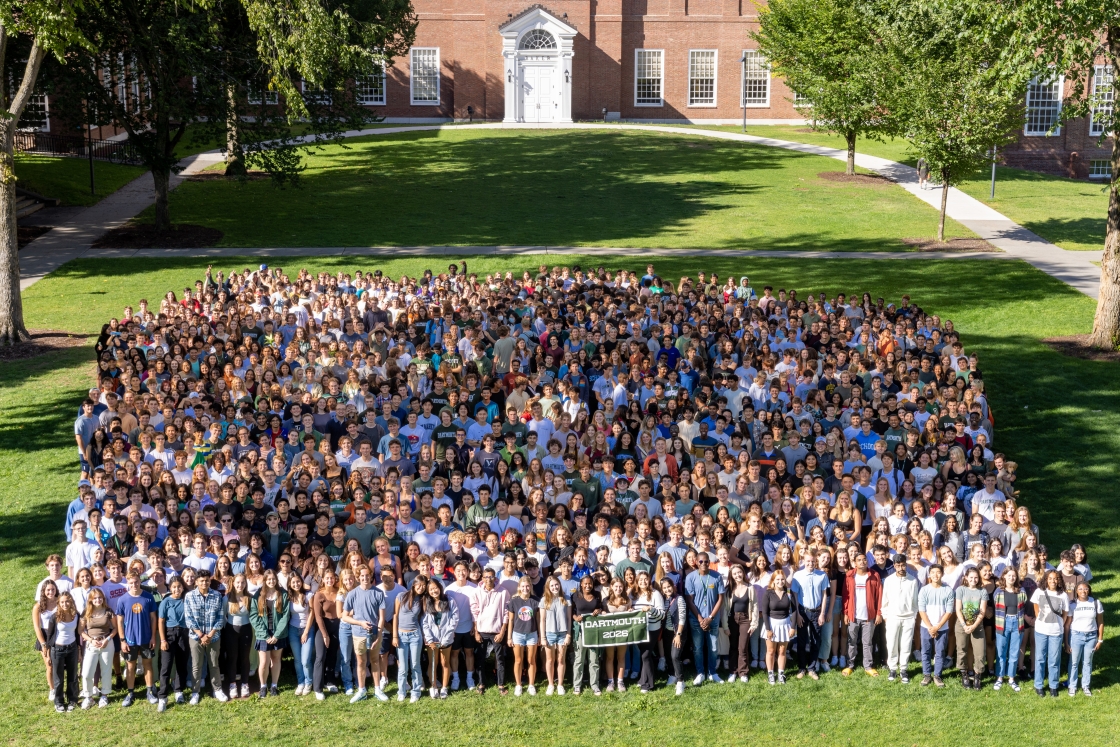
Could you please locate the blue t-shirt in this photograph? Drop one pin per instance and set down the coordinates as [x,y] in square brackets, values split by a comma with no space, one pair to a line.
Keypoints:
[364,604]
[705,590]
[810,588]
[135,613]
[171,611]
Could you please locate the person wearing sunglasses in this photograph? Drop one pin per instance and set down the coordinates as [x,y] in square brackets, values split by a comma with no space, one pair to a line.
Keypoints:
[704,595]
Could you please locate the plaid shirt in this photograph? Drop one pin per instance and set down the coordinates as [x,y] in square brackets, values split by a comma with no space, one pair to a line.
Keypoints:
[203,612]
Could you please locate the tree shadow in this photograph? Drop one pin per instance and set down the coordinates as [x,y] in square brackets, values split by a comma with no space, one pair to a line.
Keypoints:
[1080,230]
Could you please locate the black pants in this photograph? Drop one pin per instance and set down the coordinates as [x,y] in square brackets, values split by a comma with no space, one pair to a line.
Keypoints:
[497,649]
[175,661]
[739,633]
[64,663]
[648,650]
[325,655]
[675,651]
[237,641]
[808,637]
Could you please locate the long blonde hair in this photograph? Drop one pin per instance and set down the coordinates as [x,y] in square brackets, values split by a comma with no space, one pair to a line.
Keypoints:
[238,603]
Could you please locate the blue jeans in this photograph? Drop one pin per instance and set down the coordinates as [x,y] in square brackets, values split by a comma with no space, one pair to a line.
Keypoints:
[1007,648]
[346,656]
[1081,652]
[933,652]
[302,653]
[704,641]
[633,659]
[1047,658]
[408,660]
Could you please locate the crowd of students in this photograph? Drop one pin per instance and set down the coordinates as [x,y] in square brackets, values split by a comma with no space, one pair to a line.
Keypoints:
[448,476]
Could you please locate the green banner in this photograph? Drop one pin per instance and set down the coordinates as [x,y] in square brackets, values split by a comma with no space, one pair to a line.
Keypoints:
[615,629]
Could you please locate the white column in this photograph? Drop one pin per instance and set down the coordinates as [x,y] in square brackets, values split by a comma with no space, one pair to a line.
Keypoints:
[565,86]
[510,78]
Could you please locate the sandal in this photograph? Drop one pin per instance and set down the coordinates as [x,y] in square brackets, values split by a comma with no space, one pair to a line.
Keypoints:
[503,690]
[480,688]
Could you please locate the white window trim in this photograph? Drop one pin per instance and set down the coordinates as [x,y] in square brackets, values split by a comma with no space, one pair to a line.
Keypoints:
[661,52]
[715,80]
[1095,128]
[743,84]
[384,89]
[262,97]
[1106,175]
[1061,81]
[412,77]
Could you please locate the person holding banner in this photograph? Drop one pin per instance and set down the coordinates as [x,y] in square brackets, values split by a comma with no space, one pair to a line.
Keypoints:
[523,621]
[586,603]
[556,633]
[704,593]
[647,597]
[617,601]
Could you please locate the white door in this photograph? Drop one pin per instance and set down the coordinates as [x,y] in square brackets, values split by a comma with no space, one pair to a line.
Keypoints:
[536,98]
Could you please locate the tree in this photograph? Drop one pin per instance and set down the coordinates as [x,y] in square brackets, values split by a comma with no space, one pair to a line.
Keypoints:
[952,99]
[826,51]
[49,25]
[1071,38]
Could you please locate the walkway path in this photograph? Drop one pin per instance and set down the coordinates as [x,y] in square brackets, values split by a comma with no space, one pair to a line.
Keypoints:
[73,239]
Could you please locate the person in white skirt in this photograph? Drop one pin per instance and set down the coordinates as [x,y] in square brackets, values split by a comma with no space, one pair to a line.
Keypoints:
[778,612]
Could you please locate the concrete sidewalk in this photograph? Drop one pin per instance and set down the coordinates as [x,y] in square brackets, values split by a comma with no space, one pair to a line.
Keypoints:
[74,238]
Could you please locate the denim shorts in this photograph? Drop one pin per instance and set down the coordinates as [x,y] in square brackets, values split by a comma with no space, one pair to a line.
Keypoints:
[554,639]
[524,639]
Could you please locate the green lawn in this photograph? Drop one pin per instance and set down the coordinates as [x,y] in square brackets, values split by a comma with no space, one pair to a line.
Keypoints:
[628,189]
[1071,213]
[1068,212]
[1059,418]
[68,178]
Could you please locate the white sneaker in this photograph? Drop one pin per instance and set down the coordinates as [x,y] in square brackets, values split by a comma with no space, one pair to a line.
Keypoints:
[380,695]
[194,698]
[334,688]
[179,699]
[672,680]
[349,691]
[220,696]
[560,690]
[299,690]
[699,680]
[402,696]
[415,698]
[517,691]
[434,692]
[359,696]
[244,691]
[532,690]
[731,678]
[716,679]
[86,703]
[680,688]
[455,681]
[383,682]
[550,690]
[103,702]
[320,696]
[160,707]
[470,680]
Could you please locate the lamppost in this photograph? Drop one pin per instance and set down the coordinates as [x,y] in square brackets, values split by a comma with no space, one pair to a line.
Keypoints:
[743,92]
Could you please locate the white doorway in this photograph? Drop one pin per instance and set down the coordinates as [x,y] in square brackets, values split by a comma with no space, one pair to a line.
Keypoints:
[538,99]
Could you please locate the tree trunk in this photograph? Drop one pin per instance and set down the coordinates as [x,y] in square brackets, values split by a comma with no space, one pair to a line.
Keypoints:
[162,178]
[235,154]
[12,328]
[944,204]
[1106,323]
[851,168]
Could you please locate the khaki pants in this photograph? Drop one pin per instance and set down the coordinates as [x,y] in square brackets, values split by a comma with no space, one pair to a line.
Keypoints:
[199,653]
[900,641]
[973,641]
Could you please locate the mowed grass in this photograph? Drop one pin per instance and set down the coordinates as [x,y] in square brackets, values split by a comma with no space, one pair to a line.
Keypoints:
[68,178]
[588,188]
[1059,418]
[1071,213]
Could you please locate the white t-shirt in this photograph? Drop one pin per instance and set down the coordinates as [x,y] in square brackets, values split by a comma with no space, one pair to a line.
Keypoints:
[463,596]
[78,554]
[1052,608]
[63,583]
[1085,615]
[861,596]
[431,543]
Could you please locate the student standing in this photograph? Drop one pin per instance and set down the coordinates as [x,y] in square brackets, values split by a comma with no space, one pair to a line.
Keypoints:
[810,587]
[586,602]
[900,610]
[441,617]
[62,639]
[522,620]
[1010,611]
[98,626]
[935,606]
[136,629]
[556,632]
[364,611]
[1051,607]
[972,606]
[202,607]
[1086,632]
[704,594]
[269,615]
[863,596]
[174,644]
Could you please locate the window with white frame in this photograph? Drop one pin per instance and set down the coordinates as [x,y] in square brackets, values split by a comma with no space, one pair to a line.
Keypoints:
[1044,106]
[314,94]
[702,77]
[371,88]
[649,77]
[1104,96]
[425,75]
[35,114]
[257,94]
[801,101]
[756,80]
[1100,169]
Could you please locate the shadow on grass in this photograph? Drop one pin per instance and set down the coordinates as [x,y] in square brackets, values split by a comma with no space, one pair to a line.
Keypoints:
[1080,230]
